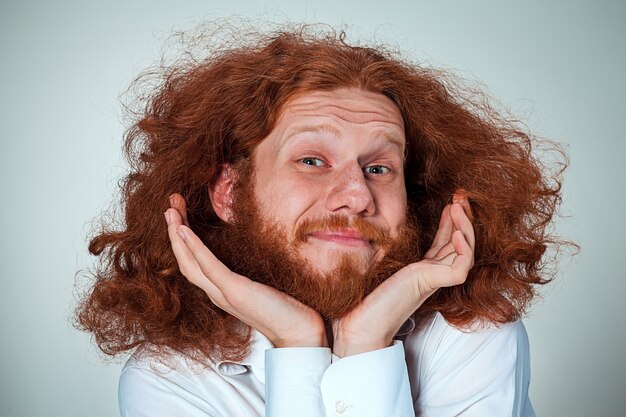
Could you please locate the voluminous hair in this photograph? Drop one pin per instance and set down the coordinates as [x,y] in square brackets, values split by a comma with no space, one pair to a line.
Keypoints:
[202,113]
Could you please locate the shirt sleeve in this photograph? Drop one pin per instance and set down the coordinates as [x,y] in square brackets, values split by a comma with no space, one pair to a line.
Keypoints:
[292,381]
[370,384]
[471,374]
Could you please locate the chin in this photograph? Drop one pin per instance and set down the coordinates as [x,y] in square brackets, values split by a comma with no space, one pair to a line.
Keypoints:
[332,264]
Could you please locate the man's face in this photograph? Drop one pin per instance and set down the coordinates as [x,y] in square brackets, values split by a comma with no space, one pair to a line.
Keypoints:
[339,156]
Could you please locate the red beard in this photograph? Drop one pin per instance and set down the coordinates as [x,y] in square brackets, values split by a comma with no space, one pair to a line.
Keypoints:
[259,249]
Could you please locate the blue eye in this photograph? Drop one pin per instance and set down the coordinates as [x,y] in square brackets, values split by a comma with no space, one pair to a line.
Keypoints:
[376,170]
[315,162]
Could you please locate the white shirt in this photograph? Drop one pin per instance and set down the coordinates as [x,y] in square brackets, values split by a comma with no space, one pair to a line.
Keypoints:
[438,371]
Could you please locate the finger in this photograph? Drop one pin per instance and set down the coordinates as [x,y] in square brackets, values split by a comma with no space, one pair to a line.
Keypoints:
[178,202]
[187,263]
[465,255]
[218,273]
[463,223]
[444,232]
[460,196]
[229,291]
[445,251]
[448,259]
[457,264]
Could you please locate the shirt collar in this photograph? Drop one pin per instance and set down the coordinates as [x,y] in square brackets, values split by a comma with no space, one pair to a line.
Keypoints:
[255,360]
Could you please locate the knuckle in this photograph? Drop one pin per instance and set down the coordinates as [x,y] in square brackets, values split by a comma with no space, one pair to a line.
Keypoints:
[233,296]
[220,301]
[205,272]
[184,270]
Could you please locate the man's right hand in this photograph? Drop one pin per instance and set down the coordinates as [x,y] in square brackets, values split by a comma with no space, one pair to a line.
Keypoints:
[282,319]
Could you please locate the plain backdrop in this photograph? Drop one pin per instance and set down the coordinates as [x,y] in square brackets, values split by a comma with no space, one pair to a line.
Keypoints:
[558,64]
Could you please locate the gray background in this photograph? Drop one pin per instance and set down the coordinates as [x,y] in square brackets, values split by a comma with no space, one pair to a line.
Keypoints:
[558,64]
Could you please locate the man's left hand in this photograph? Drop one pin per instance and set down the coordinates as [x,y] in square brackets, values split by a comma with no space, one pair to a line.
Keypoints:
[373,323]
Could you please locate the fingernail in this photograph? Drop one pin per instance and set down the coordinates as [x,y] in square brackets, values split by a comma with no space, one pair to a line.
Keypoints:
[180,233]
[168,218]
[171,200]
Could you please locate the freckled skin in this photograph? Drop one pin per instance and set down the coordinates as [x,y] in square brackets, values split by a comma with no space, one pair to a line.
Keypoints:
[334,152]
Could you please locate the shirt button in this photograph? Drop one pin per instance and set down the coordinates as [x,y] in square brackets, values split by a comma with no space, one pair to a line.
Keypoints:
[341,407]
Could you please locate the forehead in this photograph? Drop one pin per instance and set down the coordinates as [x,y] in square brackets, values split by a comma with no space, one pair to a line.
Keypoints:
[342,108]
[349,104]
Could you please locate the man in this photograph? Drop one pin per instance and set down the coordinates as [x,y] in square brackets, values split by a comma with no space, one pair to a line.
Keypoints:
[346,235]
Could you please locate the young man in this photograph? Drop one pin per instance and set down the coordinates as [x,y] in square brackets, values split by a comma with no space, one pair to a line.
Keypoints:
[344,234]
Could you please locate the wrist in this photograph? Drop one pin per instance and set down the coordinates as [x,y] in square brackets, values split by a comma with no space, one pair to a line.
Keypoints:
[343,347]
[310,339]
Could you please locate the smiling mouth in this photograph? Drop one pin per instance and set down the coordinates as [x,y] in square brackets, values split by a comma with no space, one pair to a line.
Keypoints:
[348,238]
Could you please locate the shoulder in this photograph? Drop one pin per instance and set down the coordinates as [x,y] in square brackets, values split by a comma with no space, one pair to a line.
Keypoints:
[437,340]
[484,366]
[164,385]
[174,385]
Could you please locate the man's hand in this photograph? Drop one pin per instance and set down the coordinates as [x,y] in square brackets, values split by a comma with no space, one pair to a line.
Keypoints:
[373,323]
[283,320]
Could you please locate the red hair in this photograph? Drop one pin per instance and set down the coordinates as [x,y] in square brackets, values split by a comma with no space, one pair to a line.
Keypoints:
[205,113]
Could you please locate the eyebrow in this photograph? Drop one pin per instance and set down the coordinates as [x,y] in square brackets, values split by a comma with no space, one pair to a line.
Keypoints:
[326,128]
[323,128]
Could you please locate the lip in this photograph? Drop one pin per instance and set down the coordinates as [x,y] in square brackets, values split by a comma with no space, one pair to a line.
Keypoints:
[344,237]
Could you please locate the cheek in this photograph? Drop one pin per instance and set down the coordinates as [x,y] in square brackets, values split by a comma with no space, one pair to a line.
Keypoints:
[287,201]
[392,206]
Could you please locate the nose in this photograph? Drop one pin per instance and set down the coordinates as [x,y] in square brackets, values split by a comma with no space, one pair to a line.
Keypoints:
[350,192]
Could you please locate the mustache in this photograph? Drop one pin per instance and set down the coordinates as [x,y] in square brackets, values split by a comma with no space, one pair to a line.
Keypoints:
[337,222]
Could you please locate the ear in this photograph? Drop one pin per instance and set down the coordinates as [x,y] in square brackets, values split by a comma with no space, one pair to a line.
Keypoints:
[221,193]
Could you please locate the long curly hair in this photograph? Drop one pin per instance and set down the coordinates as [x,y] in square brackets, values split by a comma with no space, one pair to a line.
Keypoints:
[201,113]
